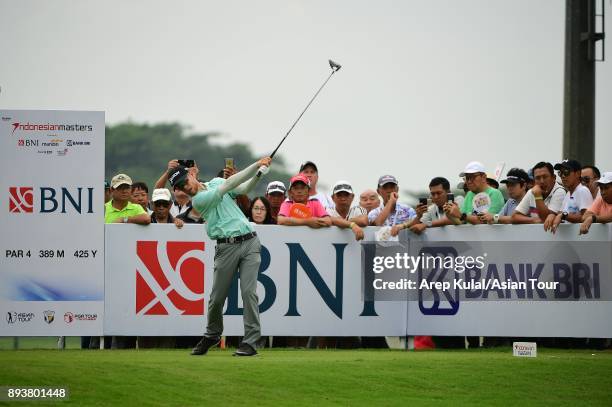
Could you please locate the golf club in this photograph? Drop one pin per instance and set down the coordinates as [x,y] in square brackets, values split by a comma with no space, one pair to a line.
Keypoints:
[335,67]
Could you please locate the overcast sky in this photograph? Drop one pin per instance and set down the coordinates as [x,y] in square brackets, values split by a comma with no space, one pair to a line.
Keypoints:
[425,87]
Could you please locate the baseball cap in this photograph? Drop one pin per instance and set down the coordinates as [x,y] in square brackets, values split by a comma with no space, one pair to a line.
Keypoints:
[387,179]
[120,179]
[176,175]
[492,181]
[473,167]
[571,165]
[276,186]
[516,176]
[605,178]
[299,178]
[308,164]
[161,194]
[342,186]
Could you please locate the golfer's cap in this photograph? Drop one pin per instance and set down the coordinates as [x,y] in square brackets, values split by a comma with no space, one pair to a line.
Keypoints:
[605,178]
[473,167]
[387,179]
[516,176]
[120,179]
[176,175]
[308,164]
[161,194]
[571,165]
[342,186]
[299,178]
[276,186]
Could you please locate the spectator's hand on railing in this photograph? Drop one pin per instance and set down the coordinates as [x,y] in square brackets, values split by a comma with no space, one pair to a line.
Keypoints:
[358,231]
[549,222]
[395,229]
[418,228]
[178,223]
[485,217]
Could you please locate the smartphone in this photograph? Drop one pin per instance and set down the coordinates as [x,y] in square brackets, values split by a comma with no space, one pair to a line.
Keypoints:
[422,201]
[450,197]
[186,163]
[229,163]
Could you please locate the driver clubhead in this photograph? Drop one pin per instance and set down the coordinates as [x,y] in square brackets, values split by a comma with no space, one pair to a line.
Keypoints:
[334,66]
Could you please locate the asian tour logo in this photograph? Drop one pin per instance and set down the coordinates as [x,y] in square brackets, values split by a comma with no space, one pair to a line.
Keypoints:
[21,199]
[170,278]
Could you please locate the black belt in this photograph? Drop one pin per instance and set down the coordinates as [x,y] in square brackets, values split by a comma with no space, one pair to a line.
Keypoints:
[237,239]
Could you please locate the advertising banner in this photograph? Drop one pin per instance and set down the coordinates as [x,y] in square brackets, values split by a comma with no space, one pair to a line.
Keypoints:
[52,214]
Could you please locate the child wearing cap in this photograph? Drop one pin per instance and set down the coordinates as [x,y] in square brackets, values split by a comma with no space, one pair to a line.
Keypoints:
[299,210]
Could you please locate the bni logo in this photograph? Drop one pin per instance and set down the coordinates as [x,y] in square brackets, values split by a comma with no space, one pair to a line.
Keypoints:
[170,278]
[21,199]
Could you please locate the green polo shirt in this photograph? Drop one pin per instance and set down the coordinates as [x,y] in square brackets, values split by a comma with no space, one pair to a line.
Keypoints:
[491,201]
[111,213]
[223,216]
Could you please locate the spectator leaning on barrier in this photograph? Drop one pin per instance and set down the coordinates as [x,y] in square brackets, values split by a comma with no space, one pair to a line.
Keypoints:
[162,198]
[343,214]
[311,171]
[260,212]
[191,215]
[300,209]
[369,200]
[516,183]
[391,212]
[140,196]
[480,199]
[545,198]
[589,177]
[434,215]
[601,210]
[119,209]
[577,199]
[276,192]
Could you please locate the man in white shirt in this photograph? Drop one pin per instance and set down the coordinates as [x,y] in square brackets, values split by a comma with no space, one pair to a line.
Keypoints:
[312,173]
[344,215]
[543,199]
[577,200]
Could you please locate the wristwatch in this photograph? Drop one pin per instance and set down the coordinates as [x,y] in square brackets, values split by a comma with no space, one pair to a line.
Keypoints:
[463,217]
[496,218]
[564,215]
[125,219]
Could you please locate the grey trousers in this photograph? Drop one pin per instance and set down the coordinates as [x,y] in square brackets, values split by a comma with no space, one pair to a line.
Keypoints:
[244,257]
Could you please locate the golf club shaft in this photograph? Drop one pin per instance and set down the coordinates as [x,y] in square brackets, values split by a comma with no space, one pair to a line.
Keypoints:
[260,172]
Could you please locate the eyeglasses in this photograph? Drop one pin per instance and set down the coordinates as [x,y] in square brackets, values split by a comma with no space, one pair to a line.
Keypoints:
[472,177]
[564,173]
[585,180]
[259,208]
[164,204]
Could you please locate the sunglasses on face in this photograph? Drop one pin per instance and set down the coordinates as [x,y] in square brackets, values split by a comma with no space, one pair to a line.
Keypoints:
[564,173]
[164,204]
[585,180]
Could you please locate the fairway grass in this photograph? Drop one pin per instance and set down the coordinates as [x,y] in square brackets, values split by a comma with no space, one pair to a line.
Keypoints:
[302,377]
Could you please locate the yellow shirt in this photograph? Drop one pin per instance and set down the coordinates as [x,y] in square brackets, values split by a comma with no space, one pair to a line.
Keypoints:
[111,213]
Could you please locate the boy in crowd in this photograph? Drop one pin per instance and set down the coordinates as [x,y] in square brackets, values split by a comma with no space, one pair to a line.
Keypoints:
[300,209]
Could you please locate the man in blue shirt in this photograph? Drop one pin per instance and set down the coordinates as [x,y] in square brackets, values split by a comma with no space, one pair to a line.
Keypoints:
[238,248]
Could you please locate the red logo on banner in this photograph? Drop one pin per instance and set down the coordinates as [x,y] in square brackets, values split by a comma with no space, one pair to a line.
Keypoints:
[170,278]
[20,143]
[21,199]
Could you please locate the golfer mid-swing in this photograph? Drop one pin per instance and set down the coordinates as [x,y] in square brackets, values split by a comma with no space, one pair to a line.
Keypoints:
[238,248]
